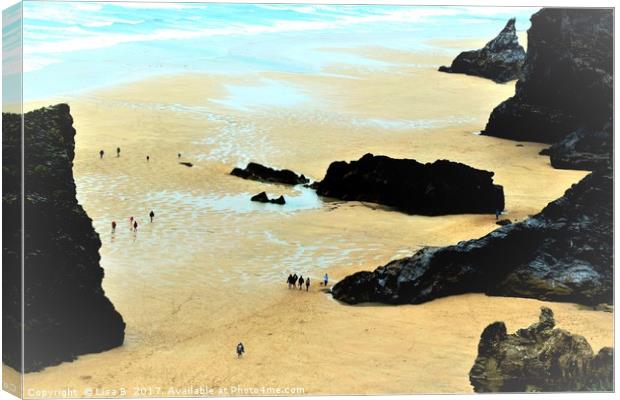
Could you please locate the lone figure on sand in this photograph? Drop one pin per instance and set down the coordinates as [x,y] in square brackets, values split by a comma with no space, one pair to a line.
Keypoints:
[240,350]
[118,152]
[179,155]
[325,279]
[307,284]
[301,282]
[497,214]
[100,153]
[135,226]
[148,158]
[152,215]
[113,226]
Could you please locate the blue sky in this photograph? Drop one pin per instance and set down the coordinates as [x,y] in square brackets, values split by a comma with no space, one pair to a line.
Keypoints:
[71,46]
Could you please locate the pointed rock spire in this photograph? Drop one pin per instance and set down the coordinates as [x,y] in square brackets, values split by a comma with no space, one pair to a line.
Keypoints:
[501,59]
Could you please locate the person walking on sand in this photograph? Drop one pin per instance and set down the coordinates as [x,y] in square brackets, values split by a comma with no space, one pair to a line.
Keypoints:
[135,226]
[179,155]
[113,226]
[325,279]
[152,215]
[307,284]
[497,214]
[294,281]
[148,158]
[240,350]
[100,154]
[118,152]
[289,280]
[301,282]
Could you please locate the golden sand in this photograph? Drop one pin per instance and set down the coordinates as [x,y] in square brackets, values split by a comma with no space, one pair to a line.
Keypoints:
[210,270]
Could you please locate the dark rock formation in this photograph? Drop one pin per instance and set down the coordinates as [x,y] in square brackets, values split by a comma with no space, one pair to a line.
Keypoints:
[66,310]
[442,187]
[564,253]
[565,95]
[500,60]
[584,148]
[262,198]
[539,359]
[504,222]
[261,173]
[187,164]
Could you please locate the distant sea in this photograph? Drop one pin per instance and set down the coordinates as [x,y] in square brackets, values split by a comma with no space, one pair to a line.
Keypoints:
[71,47]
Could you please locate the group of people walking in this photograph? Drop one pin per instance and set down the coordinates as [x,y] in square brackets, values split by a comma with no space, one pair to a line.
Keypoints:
[293,281]
[118,154]
[133,223]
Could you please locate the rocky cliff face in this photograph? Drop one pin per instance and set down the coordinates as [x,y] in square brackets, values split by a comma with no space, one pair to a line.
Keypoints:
[564,253]
[565,94]
[539,359]
[66,310]
[442,187]
[500,60]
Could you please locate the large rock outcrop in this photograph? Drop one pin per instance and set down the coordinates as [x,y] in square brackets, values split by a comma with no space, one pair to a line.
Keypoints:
[258,172]
[441,187]
[66,312]
[539,359]
[500,60]
[566,92]
[564,253]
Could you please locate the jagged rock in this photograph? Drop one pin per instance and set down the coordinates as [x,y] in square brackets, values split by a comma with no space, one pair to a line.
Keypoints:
[566,88]
[604,307]
[500,60]
[261,173]
[583,149]
[187,164]
[66,311]
[564,253]
[539,359]
[442,187]
[503,222]
[262,198]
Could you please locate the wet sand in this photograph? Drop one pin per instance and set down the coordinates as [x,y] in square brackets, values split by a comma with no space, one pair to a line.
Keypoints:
[210,270]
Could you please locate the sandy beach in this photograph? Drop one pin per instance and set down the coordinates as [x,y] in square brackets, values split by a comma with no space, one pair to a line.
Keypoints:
[210,270]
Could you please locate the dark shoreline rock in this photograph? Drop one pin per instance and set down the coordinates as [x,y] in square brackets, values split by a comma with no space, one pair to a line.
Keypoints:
[66,311]
[564,253]
[262,198]
[187,164]
[500,59]
[539,359]
[565,95]
[258,172]
[441,187]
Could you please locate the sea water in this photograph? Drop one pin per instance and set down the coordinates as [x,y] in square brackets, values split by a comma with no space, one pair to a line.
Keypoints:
[71,47]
